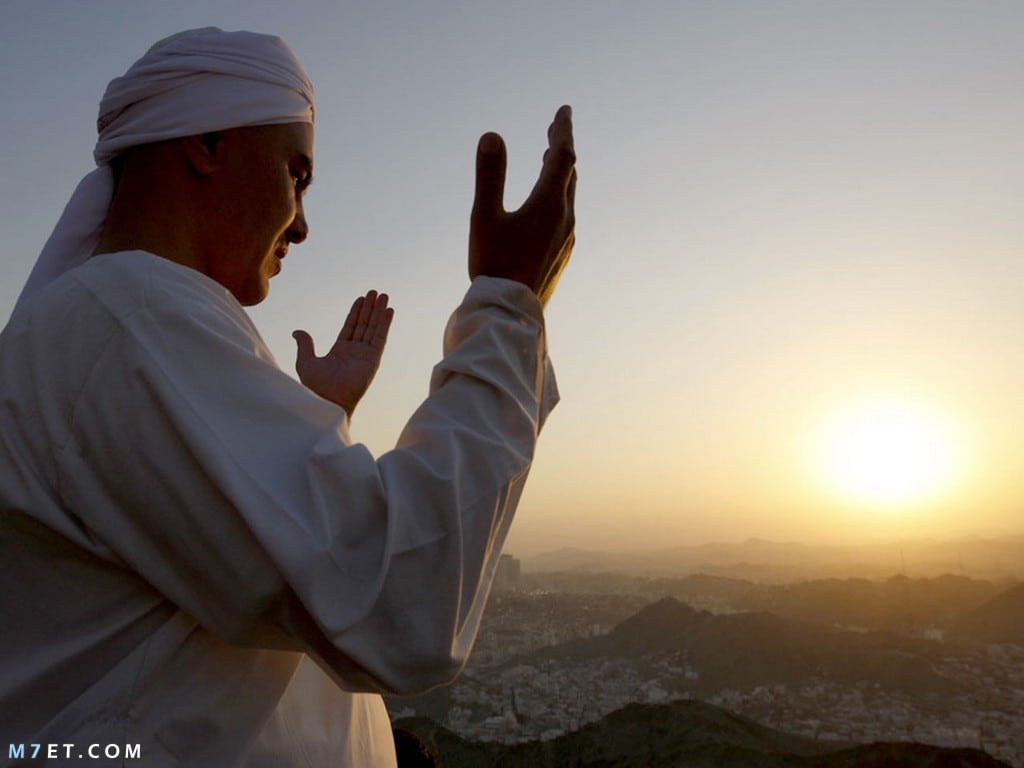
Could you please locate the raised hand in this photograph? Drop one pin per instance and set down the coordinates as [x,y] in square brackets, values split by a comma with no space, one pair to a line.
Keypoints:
[344,374]
[533,244]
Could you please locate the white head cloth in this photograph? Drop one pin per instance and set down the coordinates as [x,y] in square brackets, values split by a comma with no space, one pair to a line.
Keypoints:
[194,82]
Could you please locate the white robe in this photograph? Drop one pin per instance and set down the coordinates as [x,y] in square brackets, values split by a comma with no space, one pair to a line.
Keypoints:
[183,526]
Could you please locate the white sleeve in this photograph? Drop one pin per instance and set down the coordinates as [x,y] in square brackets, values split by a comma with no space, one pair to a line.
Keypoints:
[237,494]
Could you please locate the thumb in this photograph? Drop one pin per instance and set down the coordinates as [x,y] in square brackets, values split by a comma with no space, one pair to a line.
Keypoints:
[304,345]
[490,174]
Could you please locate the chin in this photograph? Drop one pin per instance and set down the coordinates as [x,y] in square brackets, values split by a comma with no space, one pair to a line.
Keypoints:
[252,301]
[252,295]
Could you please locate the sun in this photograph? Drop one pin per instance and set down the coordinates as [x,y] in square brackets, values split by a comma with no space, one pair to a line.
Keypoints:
[889,453]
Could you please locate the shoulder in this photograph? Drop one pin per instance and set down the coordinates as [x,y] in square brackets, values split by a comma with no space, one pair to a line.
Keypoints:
[130,282]
[119,292]
[129,307]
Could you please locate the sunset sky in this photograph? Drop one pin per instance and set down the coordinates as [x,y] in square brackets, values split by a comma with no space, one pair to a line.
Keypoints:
[796,305]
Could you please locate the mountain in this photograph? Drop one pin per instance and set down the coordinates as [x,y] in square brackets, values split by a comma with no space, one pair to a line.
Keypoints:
[896,604]
[688,734]
[1000,620]
[745,650]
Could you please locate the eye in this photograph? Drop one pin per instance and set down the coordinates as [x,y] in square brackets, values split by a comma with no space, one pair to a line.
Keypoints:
[301,177]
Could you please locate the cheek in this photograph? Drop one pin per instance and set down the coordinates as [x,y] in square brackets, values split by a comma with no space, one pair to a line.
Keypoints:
[285,207]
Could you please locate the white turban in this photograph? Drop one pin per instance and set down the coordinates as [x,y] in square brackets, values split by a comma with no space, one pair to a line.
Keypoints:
[191,83]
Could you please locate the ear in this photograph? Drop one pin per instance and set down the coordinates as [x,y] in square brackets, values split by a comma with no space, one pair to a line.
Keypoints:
[203,152]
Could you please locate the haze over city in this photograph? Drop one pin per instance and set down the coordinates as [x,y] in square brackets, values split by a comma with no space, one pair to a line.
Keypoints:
[794,310]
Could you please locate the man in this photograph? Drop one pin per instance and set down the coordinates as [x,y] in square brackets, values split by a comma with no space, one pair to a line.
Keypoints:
[196,558]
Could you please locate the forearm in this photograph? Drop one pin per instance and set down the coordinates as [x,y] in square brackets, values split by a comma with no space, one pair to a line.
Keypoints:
[450,489]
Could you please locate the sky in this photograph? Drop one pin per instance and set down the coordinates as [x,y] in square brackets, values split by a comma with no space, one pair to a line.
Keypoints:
[795,305]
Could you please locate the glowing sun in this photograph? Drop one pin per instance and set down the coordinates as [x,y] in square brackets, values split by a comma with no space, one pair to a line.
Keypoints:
[889,453]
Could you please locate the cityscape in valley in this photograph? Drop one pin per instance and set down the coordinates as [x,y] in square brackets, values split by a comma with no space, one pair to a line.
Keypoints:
[927,657]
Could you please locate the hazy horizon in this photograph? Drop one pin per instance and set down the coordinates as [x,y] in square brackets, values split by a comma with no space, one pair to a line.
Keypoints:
[965,536]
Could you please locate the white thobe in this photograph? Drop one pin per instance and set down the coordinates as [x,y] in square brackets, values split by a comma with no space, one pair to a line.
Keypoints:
[194,556]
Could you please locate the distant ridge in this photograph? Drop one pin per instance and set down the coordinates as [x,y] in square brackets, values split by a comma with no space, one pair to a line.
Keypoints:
[686,734]
[895,603]
[998,558]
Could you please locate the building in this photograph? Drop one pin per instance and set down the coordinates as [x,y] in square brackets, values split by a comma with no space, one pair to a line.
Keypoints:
[506,578]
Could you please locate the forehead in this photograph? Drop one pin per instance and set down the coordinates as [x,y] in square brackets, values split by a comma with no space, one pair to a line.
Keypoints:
[289,139]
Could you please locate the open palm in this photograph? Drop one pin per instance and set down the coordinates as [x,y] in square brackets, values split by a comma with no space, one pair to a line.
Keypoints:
[344,374]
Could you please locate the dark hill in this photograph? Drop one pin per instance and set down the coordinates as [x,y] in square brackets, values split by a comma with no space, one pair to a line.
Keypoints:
[1000,620]
[746,650]
[896,604]
[690,734]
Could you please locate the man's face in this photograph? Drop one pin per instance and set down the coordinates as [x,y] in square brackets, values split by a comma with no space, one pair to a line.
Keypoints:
[266,170]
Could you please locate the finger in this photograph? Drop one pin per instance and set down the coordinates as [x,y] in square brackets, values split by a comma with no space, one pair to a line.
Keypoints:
[365,310]
[570,193]
[380,331]
[379,306]
[349,328]
[491,161]
[560,129]
[304,347]
[560,158]
[376,314]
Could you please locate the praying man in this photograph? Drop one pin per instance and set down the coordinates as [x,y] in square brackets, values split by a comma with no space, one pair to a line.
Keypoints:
[195,558]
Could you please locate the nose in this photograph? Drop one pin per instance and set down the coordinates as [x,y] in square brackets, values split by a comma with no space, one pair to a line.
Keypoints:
[298,230]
